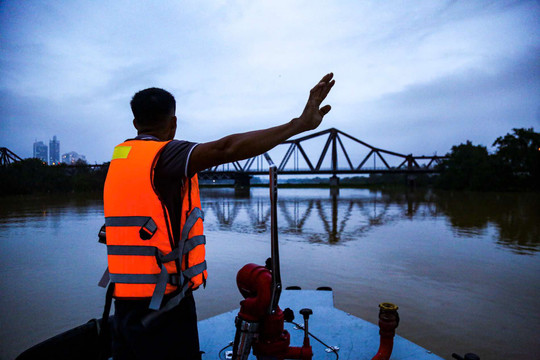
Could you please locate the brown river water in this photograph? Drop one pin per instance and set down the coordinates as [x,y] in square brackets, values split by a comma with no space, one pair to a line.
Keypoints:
[464,268]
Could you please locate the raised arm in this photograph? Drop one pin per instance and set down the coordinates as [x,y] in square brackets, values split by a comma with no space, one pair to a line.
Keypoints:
[245,145]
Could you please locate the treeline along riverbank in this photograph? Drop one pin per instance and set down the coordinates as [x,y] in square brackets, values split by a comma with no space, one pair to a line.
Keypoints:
[31,176]
[514,166]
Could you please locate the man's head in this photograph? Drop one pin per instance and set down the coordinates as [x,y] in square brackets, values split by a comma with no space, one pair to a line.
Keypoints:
[154,111]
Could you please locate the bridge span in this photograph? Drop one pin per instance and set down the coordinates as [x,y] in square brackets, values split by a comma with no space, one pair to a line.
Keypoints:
[341,154]
[328,152]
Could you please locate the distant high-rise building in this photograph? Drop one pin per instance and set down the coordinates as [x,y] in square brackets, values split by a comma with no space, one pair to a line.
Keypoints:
[72,157]
[54,151]
[40,151]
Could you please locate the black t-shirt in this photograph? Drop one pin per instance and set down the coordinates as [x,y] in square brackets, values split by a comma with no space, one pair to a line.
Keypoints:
[169,175]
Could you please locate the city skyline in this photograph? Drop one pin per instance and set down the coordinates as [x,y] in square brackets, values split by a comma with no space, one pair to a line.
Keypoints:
[53,157]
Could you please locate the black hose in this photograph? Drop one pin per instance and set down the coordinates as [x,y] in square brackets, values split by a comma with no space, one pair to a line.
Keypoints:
[316,338]
[301,328]
[220,351]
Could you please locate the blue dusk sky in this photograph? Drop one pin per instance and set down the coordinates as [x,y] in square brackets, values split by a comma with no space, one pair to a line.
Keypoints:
[411,76]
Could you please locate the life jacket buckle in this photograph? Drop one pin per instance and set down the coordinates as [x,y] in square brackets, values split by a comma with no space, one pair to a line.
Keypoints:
[148,229]
[174,279]
[102,235]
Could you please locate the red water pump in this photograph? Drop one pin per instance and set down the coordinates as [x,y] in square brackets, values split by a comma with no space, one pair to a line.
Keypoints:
[255,317]
[259,324]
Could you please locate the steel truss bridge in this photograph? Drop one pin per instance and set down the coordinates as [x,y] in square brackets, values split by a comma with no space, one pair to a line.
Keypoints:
[347,155]
[7,156]
[341,154]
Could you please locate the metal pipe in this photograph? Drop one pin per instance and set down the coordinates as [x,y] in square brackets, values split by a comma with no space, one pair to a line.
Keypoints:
[388,322]
[276,272]
[243,339]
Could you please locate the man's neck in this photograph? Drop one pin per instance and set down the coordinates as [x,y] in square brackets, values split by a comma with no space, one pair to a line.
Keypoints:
[158,136]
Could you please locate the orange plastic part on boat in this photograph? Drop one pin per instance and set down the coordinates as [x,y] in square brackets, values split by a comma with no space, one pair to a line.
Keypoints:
[388,322]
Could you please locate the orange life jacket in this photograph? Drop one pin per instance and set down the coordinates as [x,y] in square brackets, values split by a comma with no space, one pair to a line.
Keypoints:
[142,254]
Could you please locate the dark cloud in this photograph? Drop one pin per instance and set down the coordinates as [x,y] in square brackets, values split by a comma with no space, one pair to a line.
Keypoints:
[80,126]
[20,120]
[478,105]
[411,79]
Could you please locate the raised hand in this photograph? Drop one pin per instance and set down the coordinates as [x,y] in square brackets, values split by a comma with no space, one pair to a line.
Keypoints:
[312,115]
[245,145]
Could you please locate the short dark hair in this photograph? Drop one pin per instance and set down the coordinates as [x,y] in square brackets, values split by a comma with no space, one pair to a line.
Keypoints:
[152,107]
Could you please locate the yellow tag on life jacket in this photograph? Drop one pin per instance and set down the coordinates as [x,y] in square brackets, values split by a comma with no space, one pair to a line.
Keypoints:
[121,152]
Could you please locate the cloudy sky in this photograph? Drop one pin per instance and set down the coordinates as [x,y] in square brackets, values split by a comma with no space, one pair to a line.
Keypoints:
[411,76]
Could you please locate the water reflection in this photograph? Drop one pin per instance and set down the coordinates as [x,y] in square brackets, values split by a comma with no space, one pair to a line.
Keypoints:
[315,216]
[47,208]
[516,217]
[335,219]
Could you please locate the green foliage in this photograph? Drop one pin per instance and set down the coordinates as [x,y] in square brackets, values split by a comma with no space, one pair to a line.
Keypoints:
[31,176]
[515,164]
[519,153]
[469,167]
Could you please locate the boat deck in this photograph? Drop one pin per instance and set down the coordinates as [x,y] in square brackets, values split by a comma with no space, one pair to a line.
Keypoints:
[357,339]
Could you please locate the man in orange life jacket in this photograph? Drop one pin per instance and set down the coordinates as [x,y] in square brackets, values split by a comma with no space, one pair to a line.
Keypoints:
[155,242]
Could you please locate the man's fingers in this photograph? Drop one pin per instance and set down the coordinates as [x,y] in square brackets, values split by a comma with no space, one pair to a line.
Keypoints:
[324,82]
[326,78]
[327,89]
[325,109]
[321,90]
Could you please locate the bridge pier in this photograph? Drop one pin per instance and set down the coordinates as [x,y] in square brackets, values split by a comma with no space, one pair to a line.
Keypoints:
[242,185]
[411,181]
[334,185]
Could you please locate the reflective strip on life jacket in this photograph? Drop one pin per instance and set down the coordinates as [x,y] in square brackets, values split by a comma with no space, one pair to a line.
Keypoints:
[121,152]
[152,251]
[147,224]
[161,279]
